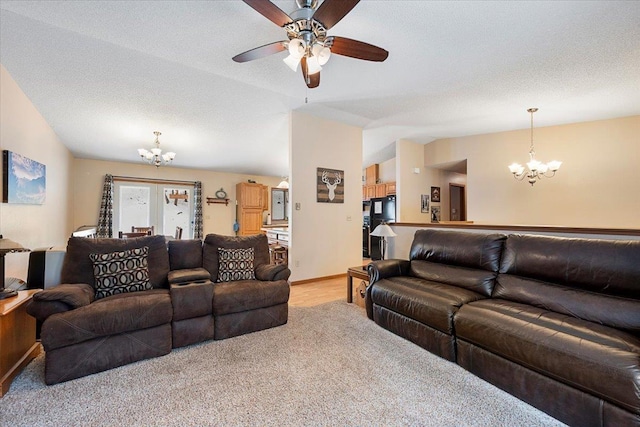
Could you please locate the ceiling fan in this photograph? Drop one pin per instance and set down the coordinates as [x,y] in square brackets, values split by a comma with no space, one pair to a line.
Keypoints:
[308,43]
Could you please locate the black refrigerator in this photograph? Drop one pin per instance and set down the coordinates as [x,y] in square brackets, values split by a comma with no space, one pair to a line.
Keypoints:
[383,209]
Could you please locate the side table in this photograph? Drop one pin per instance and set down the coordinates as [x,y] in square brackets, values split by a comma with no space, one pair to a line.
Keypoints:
[18,344]
[359,272]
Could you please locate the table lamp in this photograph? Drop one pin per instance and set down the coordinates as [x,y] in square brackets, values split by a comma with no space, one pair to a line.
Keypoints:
[383,231]
[7,246]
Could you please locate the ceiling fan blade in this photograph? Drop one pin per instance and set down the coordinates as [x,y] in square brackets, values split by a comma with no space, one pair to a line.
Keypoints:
[331,12]
[357,49]
[270,11]
[260,52]
[311,80]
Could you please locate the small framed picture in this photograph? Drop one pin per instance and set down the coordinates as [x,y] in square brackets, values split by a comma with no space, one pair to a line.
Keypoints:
[435,194]
[435,213]
[424,203]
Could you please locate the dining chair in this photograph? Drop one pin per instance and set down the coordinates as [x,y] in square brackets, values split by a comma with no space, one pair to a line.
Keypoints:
[122,235]
[148,230]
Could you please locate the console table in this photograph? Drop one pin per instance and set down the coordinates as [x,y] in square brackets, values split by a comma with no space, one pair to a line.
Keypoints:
[18,344]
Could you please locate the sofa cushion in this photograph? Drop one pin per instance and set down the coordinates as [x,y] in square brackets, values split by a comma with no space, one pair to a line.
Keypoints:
[235,264]
[112,315]
[121,272]
[476,280]
[604,266]
[185,254]
[471,250]
[599,360]
[614,311]
[78,268]
[430,303]
[214,241]
[244,295]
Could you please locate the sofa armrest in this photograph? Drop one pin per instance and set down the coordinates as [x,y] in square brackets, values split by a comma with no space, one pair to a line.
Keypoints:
[270,272]
[379,270]
[188,275]
[59,299]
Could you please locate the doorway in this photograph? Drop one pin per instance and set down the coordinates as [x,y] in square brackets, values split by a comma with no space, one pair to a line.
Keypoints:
[457,205]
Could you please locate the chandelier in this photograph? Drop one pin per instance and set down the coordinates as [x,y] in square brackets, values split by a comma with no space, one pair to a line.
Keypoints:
[155,156]
[536,169]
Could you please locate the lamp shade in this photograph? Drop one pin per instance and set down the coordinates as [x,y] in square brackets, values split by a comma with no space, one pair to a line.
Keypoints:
[383,230]
[8,246]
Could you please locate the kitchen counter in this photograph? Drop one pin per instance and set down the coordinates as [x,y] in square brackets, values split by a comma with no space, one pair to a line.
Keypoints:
[277,235]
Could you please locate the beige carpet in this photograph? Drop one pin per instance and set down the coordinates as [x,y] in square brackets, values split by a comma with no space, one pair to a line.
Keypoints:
[329,366]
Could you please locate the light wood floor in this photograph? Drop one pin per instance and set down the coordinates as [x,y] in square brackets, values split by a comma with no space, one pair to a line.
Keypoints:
[321,291]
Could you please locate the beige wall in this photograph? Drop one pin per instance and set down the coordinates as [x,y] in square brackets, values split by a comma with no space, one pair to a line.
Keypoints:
[387,171]
[410,185]
[218,218]
[597,185]
[24,131]
[325,237]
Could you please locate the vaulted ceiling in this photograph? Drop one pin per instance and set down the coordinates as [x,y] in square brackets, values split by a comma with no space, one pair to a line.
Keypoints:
[106,74]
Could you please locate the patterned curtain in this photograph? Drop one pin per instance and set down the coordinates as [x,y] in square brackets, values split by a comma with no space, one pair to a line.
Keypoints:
[105,220]
[197,214]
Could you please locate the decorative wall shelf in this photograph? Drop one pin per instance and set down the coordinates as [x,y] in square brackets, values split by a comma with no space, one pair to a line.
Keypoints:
[215,200]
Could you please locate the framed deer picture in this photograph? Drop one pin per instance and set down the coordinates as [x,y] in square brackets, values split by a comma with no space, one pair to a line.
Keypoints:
[330,185]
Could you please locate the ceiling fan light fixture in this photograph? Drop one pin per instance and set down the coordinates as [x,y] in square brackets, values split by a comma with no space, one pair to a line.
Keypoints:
[292,62]
[313,65]
[322,53]
[297,48]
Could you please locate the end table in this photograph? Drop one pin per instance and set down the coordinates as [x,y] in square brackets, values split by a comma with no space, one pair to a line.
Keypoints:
[18,344]
[359,272]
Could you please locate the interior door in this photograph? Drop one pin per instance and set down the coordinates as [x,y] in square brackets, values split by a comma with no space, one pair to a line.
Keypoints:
[457,206]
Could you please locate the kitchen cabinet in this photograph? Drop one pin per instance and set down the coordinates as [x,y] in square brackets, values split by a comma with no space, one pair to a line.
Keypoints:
[371,175]
[265,197]
[391,188]
[378,190]
[370,191]
[250,199]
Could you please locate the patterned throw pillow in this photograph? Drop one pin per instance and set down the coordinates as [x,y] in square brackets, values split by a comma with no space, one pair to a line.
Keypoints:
[121,272]
[235,264]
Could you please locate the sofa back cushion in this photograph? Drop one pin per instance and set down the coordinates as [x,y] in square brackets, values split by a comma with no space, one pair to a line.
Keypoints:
[212,242]
[468,260]
[78,268]
[459,248]
[596,280]
[185,254]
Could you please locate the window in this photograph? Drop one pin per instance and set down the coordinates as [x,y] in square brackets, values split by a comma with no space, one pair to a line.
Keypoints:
[163,206]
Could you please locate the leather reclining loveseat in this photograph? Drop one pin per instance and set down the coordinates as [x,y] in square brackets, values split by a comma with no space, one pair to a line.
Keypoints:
[184,301]
[553,321]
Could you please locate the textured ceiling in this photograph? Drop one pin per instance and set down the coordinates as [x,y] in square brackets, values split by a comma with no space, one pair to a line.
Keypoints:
[106,74]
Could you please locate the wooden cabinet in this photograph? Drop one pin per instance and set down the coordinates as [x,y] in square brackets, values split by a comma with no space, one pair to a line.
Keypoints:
[371,175]
[265,197]
[250,222]
[249,195]
[378,190]
[391,188]
[370,191]
[251,201]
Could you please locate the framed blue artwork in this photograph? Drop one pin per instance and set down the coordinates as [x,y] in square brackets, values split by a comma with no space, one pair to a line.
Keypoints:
[23,180]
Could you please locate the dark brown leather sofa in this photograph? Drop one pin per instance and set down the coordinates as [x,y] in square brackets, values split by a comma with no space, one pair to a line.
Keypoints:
[553,321]
[83,335]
